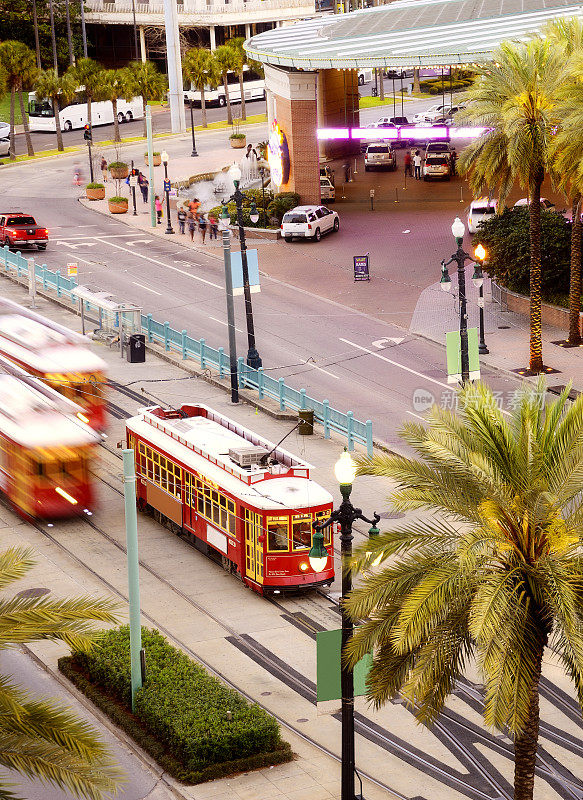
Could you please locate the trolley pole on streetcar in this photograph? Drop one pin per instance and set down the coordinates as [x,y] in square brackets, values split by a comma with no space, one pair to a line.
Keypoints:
[131,516]
[346,515]
[224,223]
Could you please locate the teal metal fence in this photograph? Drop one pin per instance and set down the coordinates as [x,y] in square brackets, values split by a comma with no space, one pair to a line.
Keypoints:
[207,357]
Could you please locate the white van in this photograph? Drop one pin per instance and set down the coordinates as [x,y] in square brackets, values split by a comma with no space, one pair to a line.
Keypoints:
[481,210]
[365,76]
[327,190]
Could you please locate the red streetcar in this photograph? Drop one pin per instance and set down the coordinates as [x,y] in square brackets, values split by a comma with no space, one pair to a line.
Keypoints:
[235,495]
[61,357]
[45,451]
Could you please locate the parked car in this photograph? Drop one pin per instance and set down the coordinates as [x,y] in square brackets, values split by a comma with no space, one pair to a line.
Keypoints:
[309,222]
[365,76]
[327,190]
[18,229]
[437,165]
[545,204]
[4,130]
[4,147]
[380,156]
[421,115]
[481,210]
[438,147]
[393,121]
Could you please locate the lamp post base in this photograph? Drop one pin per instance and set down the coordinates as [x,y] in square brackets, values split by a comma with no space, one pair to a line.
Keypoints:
[482,349]
[254,359]
[169,230]
[194,153]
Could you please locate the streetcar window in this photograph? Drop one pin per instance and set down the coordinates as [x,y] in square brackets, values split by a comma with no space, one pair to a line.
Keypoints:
[322,516]
[301,533]
[215,507]
[277,534]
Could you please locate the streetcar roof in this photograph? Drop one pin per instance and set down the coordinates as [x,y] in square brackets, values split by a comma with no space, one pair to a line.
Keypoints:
[45,349]
[33,420]
[267,493]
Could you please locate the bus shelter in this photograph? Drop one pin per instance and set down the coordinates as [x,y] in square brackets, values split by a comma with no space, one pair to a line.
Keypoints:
[116,320]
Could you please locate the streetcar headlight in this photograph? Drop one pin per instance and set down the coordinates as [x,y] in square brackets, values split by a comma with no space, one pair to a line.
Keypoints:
[69,498]
[82,417]
[303,566]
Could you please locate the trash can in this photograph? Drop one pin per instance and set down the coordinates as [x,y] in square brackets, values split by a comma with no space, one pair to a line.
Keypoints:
[306,420]
[136,348]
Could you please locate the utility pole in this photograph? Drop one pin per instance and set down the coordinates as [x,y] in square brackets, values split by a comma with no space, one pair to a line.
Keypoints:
[175,82]
[129,490]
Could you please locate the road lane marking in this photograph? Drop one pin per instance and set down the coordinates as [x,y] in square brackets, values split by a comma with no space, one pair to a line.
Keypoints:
[147,288]
[162,264]
[222,322]
[331,374]
[140,241]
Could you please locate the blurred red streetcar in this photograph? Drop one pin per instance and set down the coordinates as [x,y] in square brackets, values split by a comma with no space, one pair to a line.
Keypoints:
[236,496]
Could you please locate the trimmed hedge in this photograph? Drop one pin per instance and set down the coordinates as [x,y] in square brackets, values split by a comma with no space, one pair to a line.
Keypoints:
[181,711]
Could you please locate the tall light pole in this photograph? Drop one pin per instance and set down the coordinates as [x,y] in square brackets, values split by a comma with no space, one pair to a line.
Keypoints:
[224,221]
[194,153]
[253,358]
[346,515]
[478,281]
[460,257]
[165,158]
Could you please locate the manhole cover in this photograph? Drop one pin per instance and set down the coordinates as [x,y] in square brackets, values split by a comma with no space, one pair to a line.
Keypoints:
[33,592]
[391,515]
[302,719]
[265,694]
[503,327]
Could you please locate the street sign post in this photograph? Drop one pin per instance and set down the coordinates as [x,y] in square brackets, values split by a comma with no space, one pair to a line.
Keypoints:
[328,649]
[361,267]
[167,186]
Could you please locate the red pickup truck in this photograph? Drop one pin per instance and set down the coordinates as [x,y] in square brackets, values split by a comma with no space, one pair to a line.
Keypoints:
[18,229]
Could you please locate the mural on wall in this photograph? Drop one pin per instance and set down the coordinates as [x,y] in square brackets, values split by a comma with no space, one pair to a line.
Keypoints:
[278,155]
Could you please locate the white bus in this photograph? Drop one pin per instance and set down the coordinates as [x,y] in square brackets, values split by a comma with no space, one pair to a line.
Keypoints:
[41,115]
[253,88]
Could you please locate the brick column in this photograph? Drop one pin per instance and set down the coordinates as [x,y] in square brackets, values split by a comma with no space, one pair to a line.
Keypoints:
[338,98]
[294,105]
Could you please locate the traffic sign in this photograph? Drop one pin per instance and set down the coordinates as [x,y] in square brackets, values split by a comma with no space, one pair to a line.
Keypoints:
[72,269]
[361,267]
[167,186]
[134,181]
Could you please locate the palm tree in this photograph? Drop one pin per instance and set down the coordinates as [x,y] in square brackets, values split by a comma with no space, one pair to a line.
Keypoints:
[147,82]
[494,577]
[36,39]
[53,37]
[515,99]
[227,62]
[89,74]
[40,738]
[116,84]
[50,86]
[240,61]
[201,70]
[567,152]
[69,34]
[18,62]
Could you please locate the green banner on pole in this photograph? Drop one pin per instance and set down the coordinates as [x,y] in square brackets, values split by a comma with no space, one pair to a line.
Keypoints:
[328,646]
[453,351]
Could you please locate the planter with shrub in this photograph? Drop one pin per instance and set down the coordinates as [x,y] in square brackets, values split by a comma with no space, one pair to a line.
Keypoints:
[119,170]
[195,727]
[118,205]
[95,191]
[238,140]
[156,158]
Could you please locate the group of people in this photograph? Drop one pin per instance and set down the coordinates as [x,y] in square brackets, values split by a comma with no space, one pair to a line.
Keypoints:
[415,162]
[192,217]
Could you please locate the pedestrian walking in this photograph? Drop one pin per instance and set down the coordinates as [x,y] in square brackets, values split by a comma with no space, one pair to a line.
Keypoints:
[202,226]
[193,206]
[417,161]
[408,164]
[191,225]
[214,227]
[143,184]
[453,157]
[158,204]
[104,169]
[181,219]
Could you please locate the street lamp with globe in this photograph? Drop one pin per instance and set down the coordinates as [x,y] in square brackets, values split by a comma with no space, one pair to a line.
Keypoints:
[345,515]
[165,159]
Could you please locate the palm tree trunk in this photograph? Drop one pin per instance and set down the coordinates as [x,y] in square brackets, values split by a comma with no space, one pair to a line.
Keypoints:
[69,34]
[12,122]
[24,115]
[116,136]
[381,83]
[60,147]
[203,108]
[575,283]
[227,98]
[243,109]
[536,345]
[144,103]
[526,743]
[36,39]
[53,39]
[416,86]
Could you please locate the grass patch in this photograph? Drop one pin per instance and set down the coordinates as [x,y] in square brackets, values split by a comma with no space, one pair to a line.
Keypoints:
[373,102]
[181,713]
[5,109]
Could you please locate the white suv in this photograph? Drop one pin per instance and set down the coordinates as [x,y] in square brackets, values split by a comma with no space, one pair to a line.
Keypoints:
[481,210]
[380,156]
[437,165]
[309,222]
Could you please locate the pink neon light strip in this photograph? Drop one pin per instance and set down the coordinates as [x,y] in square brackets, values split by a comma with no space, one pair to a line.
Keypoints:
[427,133]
